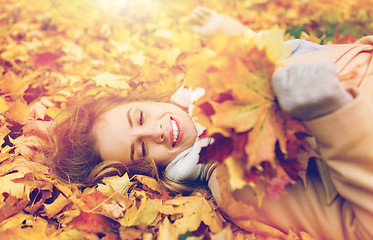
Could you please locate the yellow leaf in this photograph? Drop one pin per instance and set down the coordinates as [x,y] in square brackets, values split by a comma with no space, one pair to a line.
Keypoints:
[272,42]
[18,111]
[137,59]
[167,230]
[164,33]
[195,210]
[13,228]
[146,213]
[17,190]
[53,112]
[112,80]
[150,182]
[116,182]
[3,132]
[236,174]
[262,139]
[25,145]
[240,117]
[57,205]
[4,106]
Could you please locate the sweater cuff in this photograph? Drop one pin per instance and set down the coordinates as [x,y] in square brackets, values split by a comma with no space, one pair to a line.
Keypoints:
[340,126]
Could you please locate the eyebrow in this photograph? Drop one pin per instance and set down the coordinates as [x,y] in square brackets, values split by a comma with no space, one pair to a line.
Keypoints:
[129,117]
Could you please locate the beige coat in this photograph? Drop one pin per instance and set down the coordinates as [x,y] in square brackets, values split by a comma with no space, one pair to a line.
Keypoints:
[338,204]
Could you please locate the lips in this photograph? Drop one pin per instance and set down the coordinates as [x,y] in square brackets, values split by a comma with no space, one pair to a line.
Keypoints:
[176,131]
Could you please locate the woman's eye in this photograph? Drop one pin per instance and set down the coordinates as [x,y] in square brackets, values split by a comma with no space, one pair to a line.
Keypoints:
[143,149]
[141,118]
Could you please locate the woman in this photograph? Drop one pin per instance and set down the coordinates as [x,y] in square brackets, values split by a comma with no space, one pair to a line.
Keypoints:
[112,135]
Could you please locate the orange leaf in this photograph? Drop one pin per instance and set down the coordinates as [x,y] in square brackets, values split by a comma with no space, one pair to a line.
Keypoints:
[94,223]
[262,139]
[11,206]
[18,111]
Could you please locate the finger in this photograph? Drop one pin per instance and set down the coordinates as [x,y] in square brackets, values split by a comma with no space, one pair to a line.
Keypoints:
[280,81]
[195,22]
[197,19]
[202,16]
[204,11]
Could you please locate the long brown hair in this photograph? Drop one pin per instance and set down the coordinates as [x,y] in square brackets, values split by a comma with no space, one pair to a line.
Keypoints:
[76,159]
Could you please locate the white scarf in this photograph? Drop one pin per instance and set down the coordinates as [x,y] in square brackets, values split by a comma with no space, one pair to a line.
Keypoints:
[185,166]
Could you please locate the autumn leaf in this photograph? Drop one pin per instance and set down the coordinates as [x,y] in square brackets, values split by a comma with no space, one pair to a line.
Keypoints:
[236,72]
[146,213]
[112,80]
[54,53]
[18,111]
[24,226]
[25,146]
[11,206]
[194,211]
[95,223]
[46,59]
[4,106]
[8,186]
[3,132]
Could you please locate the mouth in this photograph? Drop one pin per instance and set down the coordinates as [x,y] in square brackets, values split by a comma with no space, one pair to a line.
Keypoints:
[176,131]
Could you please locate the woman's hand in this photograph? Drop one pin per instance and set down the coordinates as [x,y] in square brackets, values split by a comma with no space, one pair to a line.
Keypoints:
[207,22]
[309,91]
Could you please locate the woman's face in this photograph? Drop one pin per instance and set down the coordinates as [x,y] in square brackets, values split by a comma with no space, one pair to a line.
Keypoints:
[131,131]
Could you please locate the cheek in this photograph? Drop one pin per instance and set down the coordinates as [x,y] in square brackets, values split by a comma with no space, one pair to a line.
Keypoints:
[160,154]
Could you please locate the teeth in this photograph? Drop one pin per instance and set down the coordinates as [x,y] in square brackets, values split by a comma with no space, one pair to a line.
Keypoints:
[175,130]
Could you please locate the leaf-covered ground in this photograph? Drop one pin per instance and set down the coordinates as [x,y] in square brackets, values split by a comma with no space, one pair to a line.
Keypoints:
[55,52]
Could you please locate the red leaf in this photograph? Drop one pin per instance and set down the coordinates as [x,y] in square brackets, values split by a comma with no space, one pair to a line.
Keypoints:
[45,60]
[276,187]
[218,151]
[94,199]
[94,223]
[207,109]
[12,205]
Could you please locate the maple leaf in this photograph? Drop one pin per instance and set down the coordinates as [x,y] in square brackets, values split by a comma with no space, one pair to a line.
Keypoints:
[239,102]
[11,205]
[195,210]
[8,186]
[24,226]
[116,183]
[4,106]
[18,111]
[26,146]
[46,59]
[3,132]
[52,209]
[145,213]
[12,83]
[36,127]
[112,80]
[95,223]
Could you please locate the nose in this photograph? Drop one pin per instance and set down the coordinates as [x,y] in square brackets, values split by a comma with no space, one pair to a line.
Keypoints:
[154,132]
[158,135]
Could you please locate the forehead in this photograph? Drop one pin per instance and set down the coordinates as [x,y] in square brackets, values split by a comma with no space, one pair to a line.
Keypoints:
[109,132]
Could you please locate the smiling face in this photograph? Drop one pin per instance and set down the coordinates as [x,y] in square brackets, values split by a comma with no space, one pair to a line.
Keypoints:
[132,131]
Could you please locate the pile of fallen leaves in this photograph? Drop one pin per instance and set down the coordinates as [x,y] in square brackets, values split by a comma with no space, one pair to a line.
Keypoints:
[55,52]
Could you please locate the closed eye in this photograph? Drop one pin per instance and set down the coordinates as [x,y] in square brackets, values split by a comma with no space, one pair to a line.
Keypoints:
[143,149]
[141,117]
